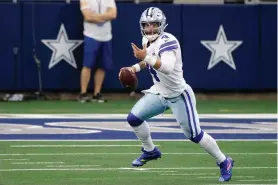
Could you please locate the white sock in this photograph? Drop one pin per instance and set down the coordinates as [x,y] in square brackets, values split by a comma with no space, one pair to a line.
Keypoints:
[210,145]
[143,134]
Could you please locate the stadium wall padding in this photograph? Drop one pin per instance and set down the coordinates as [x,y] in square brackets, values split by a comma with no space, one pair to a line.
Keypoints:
[251,29]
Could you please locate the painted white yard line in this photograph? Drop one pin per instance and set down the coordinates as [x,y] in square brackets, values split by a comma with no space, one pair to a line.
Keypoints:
[71,166]
[123,116]
[203,168]
[38,162]
[14,159]
[250,176]
[127,140]
[243,184]
[69,146]
[258,180]
[213,177]
[73,154]
[187,174]
[117,169]
[148,171]
[208,177]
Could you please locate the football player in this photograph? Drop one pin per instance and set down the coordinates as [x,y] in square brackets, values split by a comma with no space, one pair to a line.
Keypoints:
[161,54]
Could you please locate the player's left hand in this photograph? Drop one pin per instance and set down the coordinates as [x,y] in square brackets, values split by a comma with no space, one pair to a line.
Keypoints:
[139,53]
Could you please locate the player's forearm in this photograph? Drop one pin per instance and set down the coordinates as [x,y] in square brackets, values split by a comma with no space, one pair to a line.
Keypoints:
[142,65]
[165,64]
[157,65]
[153,61]
[139,66]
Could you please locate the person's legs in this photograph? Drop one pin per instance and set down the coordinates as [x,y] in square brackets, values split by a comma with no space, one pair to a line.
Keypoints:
[184,109]
[104,65]
[147,107]
[85,79]
[98,80]
[91,47]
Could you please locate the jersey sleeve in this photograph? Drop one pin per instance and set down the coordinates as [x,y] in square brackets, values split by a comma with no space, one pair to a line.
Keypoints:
[168,45]
[168,60]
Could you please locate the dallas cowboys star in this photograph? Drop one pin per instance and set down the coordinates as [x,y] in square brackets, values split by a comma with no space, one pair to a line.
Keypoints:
[62,48]
[221,49]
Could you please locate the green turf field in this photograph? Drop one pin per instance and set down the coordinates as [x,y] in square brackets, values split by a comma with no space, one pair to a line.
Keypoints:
[109,163]
[124,106]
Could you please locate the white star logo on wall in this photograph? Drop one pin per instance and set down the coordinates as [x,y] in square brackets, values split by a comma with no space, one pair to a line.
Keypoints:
[221,49]
[62,48]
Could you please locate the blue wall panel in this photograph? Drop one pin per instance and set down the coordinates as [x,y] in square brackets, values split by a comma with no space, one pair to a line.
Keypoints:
[240,24]
[46,27]
[10,40]
[268,39]
[248,38]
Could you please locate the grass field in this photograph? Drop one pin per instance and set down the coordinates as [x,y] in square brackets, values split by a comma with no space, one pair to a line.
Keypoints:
[124,106]
[109,163]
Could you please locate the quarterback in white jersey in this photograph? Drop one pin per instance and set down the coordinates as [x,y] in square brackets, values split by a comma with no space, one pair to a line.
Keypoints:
[161,53]
[168,81]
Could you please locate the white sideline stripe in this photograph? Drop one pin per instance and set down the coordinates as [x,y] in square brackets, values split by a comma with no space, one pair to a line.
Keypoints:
[50,154]
[133,140]
[65,146]
[38,163]
[117,169]
[123,116]
[14,159]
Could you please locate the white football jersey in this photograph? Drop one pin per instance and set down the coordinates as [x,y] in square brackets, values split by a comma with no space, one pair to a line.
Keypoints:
[167,85]
[99,32]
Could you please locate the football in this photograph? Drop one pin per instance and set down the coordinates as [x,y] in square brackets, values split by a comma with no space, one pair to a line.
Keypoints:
[128,79]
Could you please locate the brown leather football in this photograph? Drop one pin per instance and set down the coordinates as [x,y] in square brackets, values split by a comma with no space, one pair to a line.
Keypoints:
[128,79]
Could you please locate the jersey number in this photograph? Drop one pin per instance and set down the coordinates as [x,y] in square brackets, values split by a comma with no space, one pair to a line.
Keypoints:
[153,73]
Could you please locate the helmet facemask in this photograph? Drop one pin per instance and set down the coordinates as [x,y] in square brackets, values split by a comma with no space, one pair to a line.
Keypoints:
[151,30]
[152,23]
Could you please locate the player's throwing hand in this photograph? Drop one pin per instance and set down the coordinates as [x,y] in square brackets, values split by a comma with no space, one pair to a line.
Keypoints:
[139,53]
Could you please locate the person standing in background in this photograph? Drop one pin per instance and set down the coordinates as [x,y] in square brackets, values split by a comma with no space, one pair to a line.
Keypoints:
[97,15]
